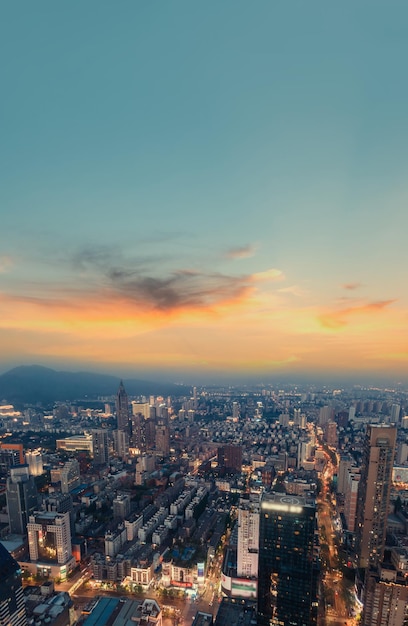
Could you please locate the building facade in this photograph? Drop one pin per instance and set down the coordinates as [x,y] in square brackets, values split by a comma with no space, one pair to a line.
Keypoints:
[12,605]
[374,493]
[287,575]
[22,498]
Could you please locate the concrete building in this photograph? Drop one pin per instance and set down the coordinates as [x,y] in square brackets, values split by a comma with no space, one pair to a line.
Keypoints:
[121,506]
[374,493]
[100,447]
[70,476]
[386,597]
[35,462]
[76,443]
[49,542]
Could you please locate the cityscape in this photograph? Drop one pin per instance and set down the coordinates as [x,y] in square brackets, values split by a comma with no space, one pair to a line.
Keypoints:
[204,313]
[227,505]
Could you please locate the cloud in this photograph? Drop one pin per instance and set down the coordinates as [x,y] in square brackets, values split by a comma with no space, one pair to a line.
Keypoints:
[339,318]
[351,286]
[267,275]
[143,282]
[293,290]
[241,252]
[180,289]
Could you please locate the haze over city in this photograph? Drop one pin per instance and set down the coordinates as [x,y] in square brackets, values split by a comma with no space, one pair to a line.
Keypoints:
[205,190]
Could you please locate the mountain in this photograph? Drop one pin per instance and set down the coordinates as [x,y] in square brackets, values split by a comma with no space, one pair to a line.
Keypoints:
[33,384]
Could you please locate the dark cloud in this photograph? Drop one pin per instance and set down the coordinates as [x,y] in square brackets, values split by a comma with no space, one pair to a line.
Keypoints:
[351,286]
[180,289]
[241,252]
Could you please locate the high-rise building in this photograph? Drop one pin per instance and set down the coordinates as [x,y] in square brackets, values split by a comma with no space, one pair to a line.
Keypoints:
[138,438]
[122,506]
[61,503]
[22,498]
[350,498]
[330,433]
[121,443]
[230,457]
[70,476]
[122,409]
[374,493]
[141,407]
[49,537]
[326,414]
[162,438]
[248,537]
[386,597]
[395,413]
[12,605]
[35,462]
[287,575]
[10,454]
[100,446]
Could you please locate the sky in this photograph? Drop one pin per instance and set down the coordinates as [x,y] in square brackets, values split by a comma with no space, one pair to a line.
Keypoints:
[205,190]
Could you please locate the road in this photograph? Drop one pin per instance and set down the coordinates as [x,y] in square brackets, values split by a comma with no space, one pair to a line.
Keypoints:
[334,587]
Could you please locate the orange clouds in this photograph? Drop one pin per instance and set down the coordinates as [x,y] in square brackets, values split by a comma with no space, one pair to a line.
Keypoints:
[197,320]
[339,318]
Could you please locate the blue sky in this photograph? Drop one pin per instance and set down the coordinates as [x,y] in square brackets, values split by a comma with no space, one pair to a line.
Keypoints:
[168,154]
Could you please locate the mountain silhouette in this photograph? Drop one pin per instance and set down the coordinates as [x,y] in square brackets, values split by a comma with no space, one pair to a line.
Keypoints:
[32,384]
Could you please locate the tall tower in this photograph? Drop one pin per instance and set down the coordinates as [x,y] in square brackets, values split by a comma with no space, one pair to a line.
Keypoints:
[49,537]
[373,498]
[122,409]
[100,446]
[287,576]
[163,438]
[248,537]
[12,605]
[386,597]
[22,498]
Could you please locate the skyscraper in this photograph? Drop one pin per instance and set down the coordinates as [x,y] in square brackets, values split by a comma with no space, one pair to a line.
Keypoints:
[49,537]
[374,493]
[248,537]
[122,409]
[230,457]
[386,597]
[12,606]
[162,438]
[22,498]
[287,575]
[100,446]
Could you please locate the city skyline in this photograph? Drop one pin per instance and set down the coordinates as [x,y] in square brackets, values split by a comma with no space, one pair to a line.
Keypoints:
[205,191]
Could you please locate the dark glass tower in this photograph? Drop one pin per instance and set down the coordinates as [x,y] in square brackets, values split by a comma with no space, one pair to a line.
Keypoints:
[122,409]
[287,576]
[22,499]
[12,605]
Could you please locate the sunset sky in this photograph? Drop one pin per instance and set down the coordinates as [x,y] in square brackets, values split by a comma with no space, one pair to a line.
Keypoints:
[205,190]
